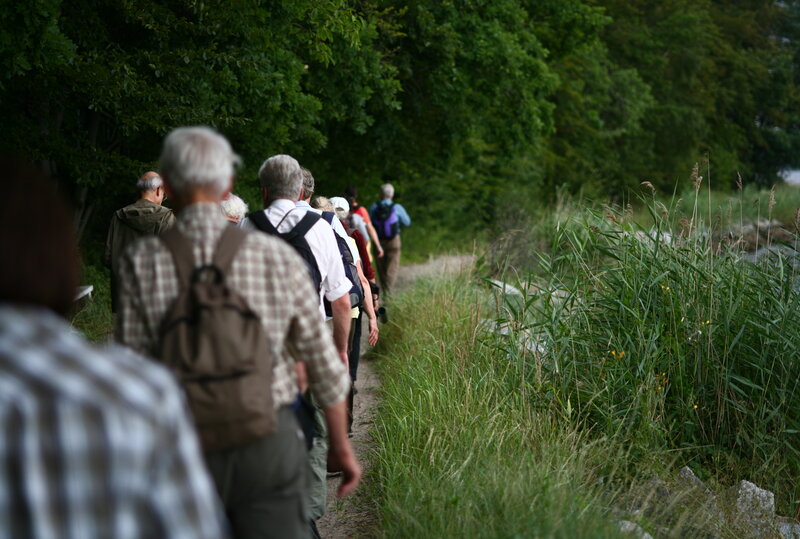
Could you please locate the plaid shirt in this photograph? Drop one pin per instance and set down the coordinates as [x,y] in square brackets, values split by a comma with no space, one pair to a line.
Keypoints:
[266,272]
[95,443]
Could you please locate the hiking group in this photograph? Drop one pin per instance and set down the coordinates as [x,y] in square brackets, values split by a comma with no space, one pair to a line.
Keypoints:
[228,396]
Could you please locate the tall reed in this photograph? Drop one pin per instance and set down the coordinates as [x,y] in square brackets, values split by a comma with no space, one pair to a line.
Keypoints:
[670,342]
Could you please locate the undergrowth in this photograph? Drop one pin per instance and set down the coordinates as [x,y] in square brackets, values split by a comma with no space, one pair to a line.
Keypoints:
[668,337]
[460,451]
[92,316]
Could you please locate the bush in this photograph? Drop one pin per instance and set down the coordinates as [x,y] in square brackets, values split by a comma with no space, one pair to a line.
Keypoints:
[668,342]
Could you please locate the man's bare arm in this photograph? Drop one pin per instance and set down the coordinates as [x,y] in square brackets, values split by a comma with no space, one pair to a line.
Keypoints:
[374,235]
[340,309]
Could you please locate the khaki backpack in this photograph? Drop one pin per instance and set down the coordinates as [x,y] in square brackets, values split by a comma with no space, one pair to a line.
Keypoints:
[215,345]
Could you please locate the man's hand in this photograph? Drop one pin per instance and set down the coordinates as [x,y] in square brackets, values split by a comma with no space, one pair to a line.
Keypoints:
[373,331]
[380,251]
[340,453]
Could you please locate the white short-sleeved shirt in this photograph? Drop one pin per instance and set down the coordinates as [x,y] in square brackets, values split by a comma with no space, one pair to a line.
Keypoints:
[335,223]
[357,260]
[284,215]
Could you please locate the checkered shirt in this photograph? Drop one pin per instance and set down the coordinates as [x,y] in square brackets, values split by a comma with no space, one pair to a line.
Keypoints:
[95,443]
[266,272]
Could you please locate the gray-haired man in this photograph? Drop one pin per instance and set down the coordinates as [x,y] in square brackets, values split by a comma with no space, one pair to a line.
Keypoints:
[262,484]
[145,217]
[282,181]
[388,217]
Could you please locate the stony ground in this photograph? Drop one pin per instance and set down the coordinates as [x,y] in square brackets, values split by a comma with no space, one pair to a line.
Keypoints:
[356,516]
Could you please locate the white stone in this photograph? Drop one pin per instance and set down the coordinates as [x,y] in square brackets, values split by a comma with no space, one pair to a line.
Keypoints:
[631,528]
[789,528]
[753,501]
[687,476]
[506,288]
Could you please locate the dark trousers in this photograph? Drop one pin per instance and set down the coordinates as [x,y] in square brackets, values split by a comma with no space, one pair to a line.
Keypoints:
[262,485]
[355,348]
[353,355]
[389,265]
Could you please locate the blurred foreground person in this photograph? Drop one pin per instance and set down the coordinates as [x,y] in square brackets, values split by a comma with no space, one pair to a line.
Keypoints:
[145,217]
[260,473]
[95,442]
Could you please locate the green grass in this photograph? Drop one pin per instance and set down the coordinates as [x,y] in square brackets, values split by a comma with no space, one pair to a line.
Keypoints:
[93,316]
[461,453]
[422,241]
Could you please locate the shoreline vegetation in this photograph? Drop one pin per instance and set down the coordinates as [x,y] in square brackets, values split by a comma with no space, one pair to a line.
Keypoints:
[623,353]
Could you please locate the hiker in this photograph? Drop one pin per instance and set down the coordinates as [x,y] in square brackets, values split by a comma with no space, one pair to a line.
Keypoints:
[351,195]
[354,220]
[282,183]
[234,208]
[145,217]
[388,217]
[342,209]
[262,483]
[96,442]
[309,185]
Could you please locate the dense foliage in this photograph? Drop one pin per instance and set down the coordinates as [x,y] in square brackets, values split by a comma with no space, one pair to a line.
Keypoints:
[462,104]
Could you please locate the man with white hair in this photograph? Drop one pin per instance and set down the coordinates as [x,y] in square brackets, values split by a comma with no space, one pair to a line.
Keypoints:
[234,208]
[387,217]
[261,484]
[145,217]
[281,180]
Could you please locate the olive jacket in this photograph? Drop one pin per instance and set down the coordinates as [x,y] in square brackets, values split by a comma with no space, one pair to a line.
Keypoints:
[142,218]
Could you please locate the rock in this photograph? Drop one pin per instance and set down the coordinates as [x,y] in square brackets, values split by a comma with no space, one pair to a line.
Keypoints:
[686,475]
[789,528]
[631,528]
[649,498]
[525,339]
[506,288]
[756,508]
[751,500]
[658,490]
[662,236]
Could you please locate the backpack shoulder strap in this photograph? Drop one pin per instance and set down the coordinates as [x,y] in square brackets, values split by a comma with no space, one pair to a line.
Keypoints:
[304,225]
[261,222]
[227,246]
[182,251]
[328,216]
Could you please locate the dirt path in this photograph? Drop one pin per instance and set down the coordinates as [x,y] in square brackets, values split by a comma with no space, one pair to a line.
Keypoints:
[357,515]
